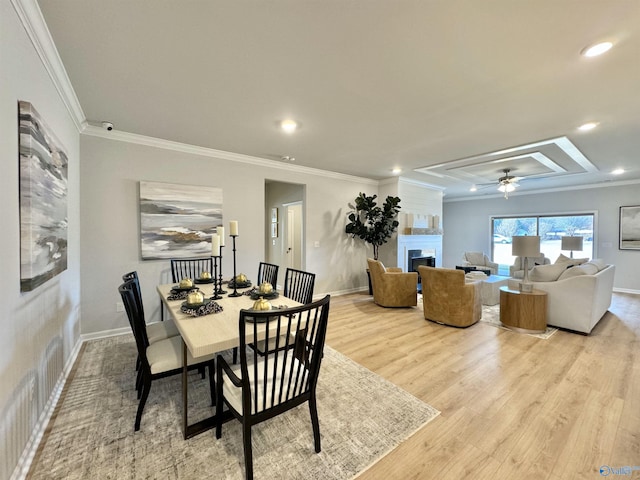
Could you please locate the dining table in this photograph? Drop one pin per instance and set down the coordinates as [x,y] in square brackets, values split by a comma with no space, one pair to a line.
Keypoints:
[211,333]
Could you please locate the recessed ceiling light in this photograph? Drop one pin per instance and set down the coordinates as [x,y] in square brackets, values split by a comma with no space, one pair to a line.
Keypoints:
[289,126]
[473,188]
[588,126]
[597,49]
[618,171]
[396,170]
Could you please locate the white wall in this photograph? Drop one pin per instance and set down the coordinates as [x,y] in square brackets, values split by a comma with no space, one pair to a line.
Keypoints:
[40,328]
[110,173]
[467,224]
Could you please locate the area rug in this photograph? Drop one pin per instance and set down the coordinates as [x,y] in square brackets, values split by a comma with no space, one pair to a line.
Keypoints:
[491,316]
[362,417]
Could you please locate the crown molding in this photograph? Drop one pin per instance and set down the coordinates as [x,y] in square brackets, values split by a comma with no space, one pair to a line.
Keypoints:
[33,22]
[94,131]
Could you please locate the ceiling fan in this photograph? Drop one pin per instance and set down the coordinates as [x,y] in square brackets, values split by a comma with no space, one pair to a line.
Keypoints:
[507,183]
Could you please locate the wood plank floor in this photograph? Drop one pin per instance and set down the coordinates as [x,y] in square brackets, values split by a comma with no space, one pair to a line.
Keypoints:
[513,406]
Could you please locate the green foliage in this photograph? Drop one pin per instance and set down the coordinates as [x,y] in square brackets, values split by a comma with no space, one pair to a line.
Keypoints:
[372,223]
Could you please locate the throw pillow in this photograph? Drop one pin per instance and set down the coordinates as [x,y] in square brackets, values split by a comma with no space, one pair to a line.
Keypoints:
[562,259]
[584,269]
[546,273]
[569,262]
[598,262]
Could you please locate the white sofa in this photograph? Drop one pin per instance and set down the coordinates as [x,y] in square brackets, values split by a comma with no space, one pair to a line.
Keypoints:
[578,296]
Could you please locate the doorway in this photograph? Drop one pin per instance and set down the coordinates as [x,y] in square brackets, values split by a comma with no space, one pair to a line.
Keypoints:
[285,225]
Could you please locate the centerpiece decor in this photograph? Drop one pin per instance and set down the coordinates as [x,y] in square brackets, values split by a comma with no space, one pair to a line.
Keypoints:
[233,233]
[372,223]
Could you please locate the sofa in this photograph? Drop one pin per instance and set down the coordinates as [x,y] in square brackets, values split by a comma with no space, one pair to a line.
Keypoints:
[578,294]
[517,269]
[391,286]
[479,260]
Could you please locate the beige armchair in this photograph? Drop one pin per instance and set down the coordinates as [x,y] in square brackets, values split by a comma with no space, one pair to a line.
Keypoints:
[391,286]
[448,299]
[517,269]
[479,260]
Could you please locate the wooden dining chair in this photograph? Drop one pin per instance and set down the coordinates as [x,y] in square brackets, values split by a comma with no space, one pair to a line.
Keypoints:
[190,267]
[298,285]
[262,387]
[268,272]
[163,358]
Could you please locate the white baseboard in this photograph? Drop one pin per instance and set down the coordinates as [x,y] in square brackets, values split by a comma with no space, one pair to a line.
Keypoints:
[626,290]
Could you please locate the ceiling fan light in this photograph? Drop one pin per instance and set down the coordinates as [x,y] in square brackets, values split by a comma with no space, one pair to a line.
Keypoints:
[507,187]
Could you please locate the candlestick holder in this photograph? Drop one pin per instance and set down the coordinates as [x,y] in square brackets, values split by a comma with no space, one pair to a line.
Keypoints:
[216,292]
[235,291]
[220,290]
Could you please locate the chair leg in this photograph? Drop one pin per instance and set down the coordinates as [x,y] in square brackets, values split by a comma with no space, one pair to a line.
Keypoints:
[212,381]
[219,401]
[235,355]
[202,372]
[161,311]
[248,452]
[146,387]
[313,409]
[139,383]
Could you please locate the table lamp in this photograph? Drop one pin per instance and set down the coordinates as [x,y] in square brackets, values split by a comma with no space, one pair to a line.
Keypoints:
[526,246]
[572,243]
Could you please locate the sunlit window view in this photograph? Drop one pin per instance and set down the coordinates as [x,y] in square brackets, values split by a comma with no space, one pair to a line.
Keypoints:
[551,229]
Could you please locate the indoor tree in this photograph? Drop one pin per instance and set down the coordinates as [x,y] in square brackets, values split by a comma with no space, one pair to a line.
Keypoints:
[372,223]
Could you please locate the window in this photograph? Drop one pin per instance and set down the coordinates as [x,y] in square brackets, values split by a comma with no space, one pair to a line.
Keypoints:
[551,229]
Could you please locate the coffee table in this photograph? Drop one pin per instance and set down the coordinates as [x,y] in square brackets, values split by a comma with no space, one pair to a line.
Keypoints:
[491,289]
[486,271]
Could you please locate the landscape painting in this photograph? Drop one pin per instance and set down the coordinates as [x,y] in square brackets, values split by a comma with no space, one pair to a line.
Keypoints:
[630,228]
[177,221]
[43,200]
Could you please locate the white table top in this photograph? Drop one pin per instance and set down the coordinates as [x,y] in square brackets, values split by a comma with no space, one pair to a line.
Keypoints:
[215,332]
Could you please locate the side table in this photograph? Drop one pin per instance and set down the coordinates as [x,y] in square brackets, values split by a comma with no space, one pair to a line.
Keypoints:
[524,312]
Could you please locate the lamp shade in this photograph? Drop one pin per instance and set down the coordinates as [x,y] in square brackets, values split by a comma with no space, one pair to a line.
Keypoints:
[525,246]
[572,243]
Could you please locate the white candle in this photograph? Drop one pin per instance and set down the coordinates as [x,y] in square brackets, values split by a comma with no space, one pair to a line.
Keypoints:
[220,232]
[233,227]
[215,245]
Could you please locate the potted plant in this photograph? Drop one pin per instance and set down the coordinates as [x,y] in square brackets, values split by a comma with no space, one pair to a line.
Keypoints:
[372,223]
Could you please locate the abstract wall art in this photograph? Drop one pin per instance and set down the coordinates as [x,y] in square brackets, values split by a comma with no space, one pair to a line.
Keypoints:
[177,221]
[43,200]
[630,227]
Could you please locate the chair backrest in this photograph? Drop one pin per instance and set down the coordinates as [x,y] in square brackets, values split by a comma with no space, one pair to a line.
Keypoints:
[133,276]
[190,267]
[127,292]
[288,376]
[268,272]
[298,285]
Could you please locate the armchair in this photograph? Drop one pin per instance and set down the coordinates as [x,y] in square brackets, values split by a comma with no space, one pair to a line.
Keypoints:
[517,269]
[479,260]
[391,286]
[448,299]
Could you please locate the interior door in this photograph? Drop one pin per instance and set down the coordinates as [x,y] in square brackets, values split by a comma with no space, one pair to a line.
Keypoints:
[293,246]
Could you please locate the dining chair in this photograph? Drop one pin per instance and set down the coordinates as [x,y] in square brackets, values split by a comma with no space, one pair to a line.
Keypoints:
[268,272]
[298,285]
[190,267]
[163,358]
[262,387]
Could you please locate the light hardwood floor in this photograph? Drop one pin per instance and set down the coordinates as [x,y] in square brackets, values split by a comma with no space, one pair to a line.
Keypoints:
[512,406]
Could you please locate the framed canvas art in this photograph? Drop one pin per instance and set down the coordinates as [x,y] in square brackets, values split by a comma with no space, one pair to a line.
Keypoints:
[630,228]
[177,221]
[43,200]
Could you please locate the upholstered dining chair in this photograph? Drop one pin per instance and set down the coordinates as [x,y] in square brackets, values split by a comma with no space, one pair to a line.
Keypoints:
[262,387]
[391,286]
[163,358]
[190,267]
[299,285]
[448,299]
[268,272]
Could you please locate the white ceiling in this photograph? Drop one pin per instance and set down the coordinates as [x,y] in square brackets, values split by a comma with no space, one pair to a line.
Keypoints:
[450,91]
